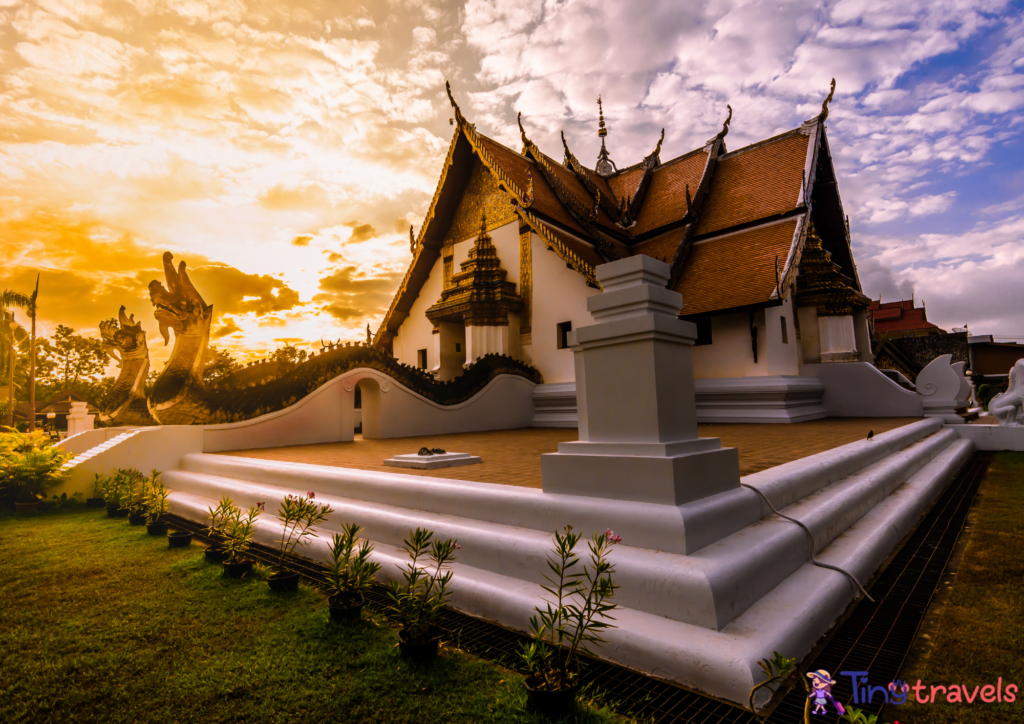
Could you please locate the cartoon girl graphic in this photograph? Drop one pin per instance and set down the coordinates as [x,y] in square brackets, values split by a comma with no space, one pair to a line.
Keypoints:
[821,692]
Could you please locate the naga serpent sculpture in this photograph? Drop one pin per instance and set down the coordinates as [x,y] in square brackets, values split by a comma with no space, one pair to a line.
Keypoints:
[178,396]
[125,341]
[1007,406]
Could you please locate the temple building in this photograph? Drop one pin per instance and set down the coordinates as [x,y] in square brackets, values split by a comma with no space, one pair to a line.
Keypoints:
[757,240]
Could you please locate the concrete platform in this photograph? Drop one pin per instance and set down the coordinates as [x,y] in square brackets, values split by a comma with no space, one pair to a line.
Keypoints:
[432,462]
[512,457]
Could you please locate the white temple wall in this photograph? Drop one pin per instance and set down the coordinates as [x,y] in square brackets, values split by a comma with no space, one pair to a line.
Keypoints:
[416,331]
[810,339]
[730,353]
[559,295]
[862,333]
[783,348]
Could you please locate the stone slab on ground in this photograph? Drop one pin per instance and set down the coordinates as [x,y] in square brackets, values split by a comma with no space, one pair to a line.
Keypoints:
[432,462]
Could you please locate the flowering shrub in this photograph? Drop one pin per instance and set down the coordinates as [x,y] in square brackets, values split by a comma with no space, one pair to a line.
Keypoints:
[239,530]
[298,514]
[351,571]
[565,627]
[419,599]
[219,518]
[156,500]
[122,488]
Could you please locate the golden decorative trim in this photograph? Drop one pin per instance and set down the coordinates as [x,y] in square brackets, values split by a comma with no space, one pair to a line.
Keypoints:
[526,282]
[481,197]
[821,284]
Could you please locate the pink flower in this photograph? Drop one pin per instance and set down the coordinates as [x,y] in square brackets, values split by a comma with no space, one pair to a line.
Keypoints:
[311,495]
[611,537]
[457,546]
[259,505]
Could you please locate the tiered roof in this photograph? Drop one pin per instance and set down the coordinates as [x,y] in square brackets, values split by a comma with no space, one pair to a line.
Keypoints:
[900,318]
[732,225]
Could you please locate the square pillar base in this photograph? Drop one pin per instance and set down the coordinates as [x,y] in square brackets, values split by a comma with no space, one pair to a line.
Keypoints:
[665,480]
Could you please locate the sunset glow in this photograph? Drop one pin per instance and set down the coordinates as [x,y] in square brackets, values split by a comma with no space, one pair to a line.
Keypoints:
[282,150]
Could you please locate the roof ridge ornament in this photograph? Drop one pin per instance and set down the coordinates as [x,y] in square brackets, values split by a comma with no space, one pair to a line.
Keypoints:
[720,136]
[522,132]
[605,166]
[412,241]
[824,106]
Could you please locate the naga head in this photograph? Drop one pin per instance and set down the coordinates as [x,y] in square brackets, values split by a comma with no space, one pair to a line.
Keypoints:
[123,336]
[179,306]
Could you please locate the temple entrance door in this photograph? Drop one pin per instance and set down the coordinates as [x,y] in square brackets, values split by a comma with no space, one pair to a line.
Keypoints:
[369,390]
[451,349]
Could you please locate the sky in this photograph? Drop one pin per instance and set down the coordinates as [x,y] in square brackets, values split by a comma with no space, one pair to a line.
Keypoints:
[283,149]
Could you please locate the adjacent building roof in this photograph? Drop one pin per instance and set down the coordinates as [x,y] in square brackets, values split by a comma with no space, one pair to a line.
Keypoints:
[732,225]
[898,319]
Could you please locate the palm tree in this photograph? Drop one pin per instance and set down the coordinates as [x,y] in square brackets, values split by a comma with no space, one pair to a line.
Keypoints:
[8,299]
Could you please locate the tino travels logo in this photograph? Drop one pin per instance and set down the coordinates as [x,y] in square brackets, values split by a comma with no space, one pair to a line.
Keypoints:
[899,692]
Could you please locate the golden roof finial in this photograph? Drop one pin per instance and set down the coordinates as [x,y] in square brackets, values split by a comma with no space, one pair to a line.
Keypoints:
[657,149]
[601,130]
[824,106]
[522,131]
[725,126]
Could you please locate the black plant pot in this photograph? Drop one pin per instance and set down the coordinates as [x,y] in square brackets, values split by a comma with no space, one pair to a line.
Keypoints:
[114,512]
[418,651]
[158,528]
[344,613]
[136,516]
[94,502]
[179,539]
[553,703]
[286,582]
[239,569]
[214,554]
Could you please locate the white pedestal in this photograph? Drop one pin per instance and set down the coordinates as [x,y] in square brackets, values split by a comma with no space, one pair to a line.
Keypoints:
[430,462]
[635,399]
[79,420]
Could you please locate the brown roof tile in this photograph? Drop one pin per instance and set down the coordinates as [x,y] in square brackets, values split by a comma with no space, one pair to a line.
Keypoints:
[516,166]
[755,184]
[585,251]
[662,246]
[736,269]
[665,200]
[625,183]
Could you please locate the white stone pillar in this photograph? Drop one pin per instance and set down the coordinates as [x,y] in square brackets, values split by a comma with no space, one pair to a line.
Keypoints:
[838,339]
[486,340]
[79,419]
[635,399]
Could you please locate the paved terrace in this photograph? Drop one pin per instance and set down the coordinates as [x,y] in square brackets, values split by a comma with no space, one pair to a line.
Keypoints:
[512,457]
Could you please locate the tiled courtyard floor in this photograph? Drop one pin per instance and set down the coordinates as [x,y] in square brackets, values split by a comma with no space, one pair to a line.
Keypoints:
[512,457]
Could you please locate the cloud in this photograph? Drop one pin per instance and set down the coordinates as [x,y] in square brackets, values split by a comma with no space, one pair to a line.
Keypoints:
[229,327]
[361,232]
[302,240]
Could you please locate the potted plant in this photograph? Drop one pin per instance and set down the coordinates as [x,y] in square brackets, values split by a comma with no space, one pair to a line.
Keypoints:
[29,467]
[238,536]
[138,510]
[564,628]
[298,514]
[122,491]
[349,574]
[219,517]
[419,598]
[156,507]
[99,484]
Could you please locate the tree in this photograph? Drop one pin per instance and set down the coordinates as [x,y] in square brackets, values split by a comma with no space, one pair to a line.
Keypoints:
[289,355]
[77,358]
[8,338]
[218,364]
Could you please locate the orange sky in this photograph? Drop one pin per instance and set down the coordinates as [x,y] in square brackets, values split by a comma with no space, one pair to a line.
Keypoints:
[271,149]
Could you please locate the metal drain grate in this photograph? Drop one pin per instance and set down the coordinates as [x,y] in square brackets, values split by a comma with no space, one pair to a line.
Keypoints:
[875,637]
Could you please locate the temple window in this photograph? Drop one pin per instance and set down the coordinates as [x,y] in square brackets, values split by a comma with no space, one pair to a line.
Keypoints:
[421,359]
[458,347]
[703,332]
[785,332]
[563,334]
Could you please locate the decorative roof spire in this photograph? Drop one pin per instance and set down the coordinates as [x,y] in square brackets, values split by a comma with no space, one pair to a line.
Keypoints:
[725,128]
[605,165]
[824,106]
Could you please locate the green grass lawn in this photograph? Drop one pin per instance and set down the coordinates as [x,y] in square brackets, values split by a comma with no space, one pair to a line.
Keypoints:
[101,622]
[981,636]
